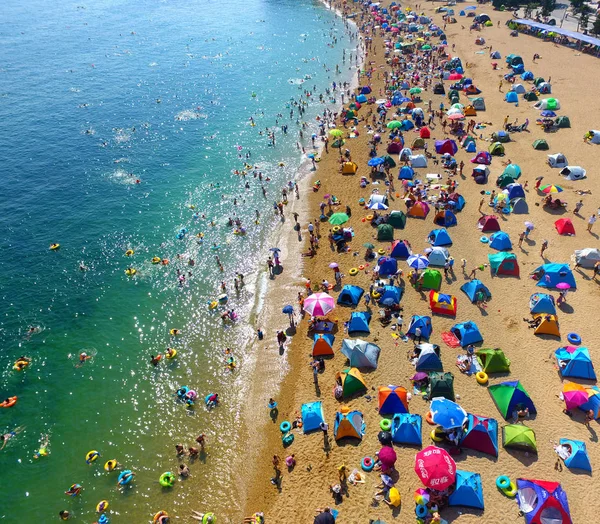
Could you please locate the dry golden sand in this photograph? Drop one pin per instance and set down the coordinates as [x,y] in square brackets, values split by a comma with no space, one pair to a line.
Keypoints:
[307,487]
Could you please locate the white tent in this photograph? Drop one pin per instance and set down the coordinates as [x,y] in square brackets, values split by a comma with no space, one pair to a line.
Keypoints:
[481,169]
[438,256]
[378,199]
[573,172]
[587,257]
[557,160]
[543,104]
[406,153]
[418,161]
[595,136]
[518,88]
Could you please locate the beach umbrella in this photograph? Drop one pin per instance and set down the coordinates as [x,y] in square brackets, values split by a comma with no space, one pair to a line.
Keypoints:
[417,261]
[435,467]
[337,219]
[563,285]
[455,76]
[548,113]
[275,249]
[319,304]
[419,375]
[426,47]
[377,161]
[394,124]
[387,457]
[447,414]
[551,188]
[288,310]
[456,116]
[415,90]
[336,132]
[333,265]
[575,395]
[378,205]
[368,245]
[338,143]
[421,496]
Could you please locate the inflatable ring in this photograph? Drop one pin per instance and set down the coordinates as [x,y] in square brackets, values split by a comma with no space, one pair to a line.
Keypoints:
[285,426]
[481,377]
[381,251]
[110,465]
[435,436]
[129,252]
[173,332]
[429,418]
[54,247]
[9,402]
[484,239]
[511,491]
[102,506]
[125,477]
[385,424]
[130,272]
[335,229]
[172,355]
[421,511]
[156,260]
[167,479]
[367,464]
[91,456]
[376,295]
[506,210]
[353,271]
[503,482]
[361,267]
[574,338]
[369,217]
[20,365]
[159,515]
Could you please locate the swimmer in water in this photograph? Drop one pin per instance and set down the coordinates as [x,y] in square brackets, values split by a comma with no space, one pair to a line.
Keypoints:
[64,515]
[83,358]
[82,266]
[7,436]
[170,352]
[154,360]
[74,490]
[43,450]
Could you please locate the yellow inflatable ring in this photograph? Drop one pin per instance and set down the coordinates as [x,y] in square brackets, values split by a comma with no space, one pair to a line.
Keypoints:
[435,437]
[91,456]
[110,465]
[156,260]
[369,217]
[102,506]
[335,229]
[361,267]
[172,355]
[353,271]
[376,295]
[511,491]
[158,516]
[130,272]
[481,377]
[213,304]
[54,247]
[129,252]
[174,332]
[381,251]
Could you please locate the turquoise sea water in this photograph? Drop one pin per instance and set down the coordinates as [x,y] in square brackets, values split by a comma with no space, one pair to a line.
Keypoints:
[94,96]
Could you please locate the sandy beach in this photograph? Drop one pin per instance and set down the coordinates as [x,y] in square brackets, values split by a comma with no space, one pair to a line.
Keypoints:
[306,487]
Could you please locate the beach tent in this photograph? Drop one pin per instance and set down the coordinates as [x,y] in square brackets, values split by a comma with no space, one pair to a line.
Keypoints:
[312,416]
[564,226]
[467,333]
[495,55]
[439,237]
[549,275]
[385,232]
[483,157]
[406,173]
[541,145]
[405,154]
[396,219]
[442,304]
[488,223]
[593,136]
[503,264]
[406,429]
[424,132]
[500,241]
[527,75]
[478,103]
[511,97]
[482,19]
[361,99]
[519,206]
[446,147]
[350,295]
[594,402]
[438,256]
[473,287]
[418,143]
[390,296]
[542,303]
[548,103]
[514,190]
[531,96]
[400,249]
[543,502]
[512,170]
[468,491]
[562,122]
[493,360]
[587,257]
[480,174]
[424,323]
[394,147]
[519,436]
[386,266]
[360,353]
[365,90]
[573,173]
[429,358]
[430,279]
[323,345]
[470,111]
[468,139]
[352,382]
[438,89]
[545,89]
[359,322]
[518,88]
[501,136]
[441,385]
[575,362]
[548,326]
[349,168]
[389,161]
[418,210]
[392,399]
[578,458]
[509,397]
[445,218]
[348,424]
[458,200]
[481,435]
[496,149]
[418,161]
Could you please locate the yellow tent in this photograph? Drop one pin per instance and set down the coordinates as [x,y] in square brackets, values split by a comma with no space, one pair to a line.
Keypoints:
[349,168]
[470,111]
[548,326]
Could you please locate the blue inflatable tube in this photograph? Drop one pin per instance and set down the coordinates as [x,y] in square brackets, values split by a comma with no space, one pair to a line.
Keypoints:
[574,338]
[285,426]
[125,477]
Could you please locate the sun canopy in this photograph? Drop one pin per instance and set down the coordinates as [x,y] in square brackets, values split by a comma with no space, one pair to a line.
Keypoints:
[392,399]
[406,429]
[312,416]
[481,435]
[468,491]
[543,502]
[360,353]
[510,397]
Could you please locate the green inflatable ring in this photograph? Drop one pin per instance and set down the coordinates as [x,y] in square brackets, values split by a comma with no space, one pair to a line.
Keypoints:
[385,424]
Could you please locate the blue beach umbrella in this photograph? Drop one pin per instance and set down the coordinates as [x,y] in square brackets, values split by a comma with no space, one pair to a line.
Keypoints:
[288,310]
[417,261]
[374,162]
[447,414]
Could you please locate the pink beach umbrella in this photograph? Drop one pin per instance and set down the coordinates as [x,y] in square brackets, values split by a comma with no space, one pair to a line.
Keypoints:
[387,457]
[575,395]
[456,116]
[319,304]
[435,467]
[563,285]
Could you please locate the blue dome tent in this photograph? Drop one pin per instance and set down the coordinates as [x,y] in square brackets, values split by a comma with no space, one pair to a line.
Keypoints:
[350,295]
[473,287]
[312,416]
[439,237]
[549,275]
[468,491]
[387,266]
[359,322]
[542,303]
[390,296]
[514,191]
[467,333]
[579,458]
[406,173]
[400,249]
[511,97]
[406,429]
[429,358]
[500,241]
[422,322]
[575,362]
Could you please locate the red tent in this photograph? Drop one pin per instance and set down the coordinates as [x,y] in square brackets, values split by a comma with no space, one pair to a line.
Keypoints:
[425,132]
[564,226]
[488,223]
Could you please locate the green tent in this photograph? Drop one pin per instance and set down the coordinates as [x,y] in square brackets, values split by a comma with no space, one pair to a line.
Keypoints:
[505,179]
[513,170]
[518,436]
[503,137]
[504,264]
[530,97]
[397,219]
[539,80]
[508,396]
[541,145]
[337,219]
[431,279]
[496,149]
[563,121]
[453,93]
[352,381]
[441,384]
[492,360]
[389,161]
[385,232]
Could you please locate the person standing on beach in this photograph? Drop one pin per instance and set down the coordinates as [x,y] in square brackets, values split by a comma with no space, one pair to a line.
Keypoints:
[578,207]
[521,238]
[544,247]
[270,266]
[591,222]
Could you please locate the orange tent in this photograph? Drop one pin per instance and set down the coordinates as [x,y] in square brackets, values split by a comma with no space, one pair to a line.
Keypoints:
[322,345]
